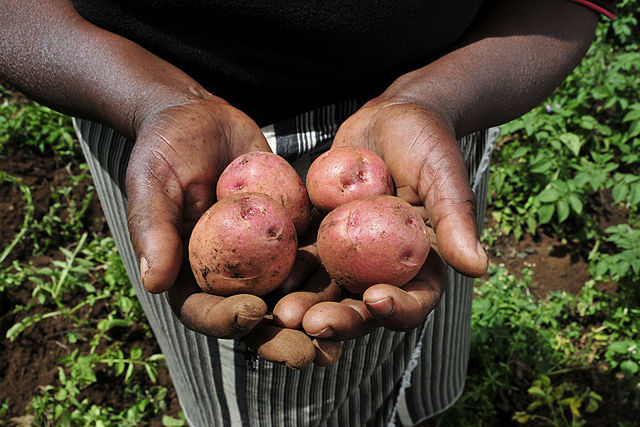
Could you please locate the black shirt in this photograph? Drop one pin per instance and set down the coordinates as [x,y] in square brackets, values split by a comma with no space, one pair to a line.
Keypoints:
[274,59]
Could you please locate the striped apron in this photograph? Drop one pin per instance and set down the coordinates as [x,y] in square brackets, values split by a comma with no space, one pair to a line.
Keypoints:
[385,378]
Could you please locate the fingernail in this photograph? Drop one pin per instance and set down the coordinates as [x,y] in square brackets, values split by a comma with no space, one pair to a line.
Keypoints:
[144,267]
[383,308]
[327,332]
[245,323]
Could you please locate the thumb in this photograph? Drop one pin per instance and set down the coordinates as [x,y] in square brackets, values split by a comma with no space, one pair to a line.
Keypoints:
[422,153]
[450,205]
[154,218]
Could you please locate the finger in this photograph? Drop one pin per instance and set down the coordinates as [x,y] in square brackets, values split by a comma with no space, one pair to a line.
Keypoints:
[154,217]
[290,347]
[305,265]
[307,258]
[290,309]
[171,177]
[402,309]
[220,317]
[343,320]
[431,164]
[327,351]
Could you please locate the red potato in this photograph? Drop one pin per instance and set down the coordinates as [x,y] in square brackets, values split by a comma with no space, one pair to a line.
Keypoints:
[245,243]
[372,241]
[270,174]
[343,174]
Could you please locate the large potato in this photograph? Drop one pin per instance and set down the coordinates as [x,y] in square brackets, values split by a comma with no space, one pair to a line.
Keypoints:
[245,243]
[372,241]
[343,174]
[270,174]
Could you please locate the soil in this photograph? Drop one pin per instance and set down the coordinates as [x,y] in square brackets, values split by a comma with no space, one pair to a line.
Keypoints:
[30,362]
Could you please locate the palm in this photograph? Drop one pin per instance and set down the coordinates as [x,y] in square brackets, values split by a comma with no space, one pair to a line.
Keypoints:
[171,179]
[422,154]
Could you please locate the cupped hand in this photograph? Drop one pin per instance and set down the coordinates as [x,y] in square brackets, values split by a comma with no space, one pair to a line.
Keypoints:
[419,146]
[327,312]
[179,153]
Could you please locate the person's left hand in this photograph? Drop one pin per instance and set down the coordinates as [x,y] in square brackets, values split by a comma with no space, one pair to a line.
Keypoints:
[419,146]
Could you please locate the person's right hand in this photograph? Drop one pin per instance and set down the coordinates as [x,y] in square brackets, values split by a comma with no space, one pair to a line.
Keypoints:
[179,153]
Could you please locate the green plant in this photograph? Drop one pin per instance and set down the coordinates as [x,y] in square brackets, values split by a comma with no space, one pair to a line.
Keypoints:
[557,159]
[36,128]
[622,266]
[523,348]
[558,400]
[4,407]
[64,405]
[625,355]
[28,211]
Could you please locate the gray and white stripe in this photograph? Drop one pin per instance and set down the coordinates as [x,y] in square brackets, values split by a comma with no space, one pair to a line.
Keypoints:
[219,383]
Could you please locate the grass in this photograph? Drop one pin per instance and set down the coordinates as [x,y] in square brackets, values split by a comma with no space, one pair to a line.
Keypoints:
[526,353]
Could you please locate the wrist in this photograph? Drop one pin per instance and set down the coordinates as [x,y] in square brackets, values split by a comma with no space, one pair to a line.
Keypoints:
[158,98]
[407,92]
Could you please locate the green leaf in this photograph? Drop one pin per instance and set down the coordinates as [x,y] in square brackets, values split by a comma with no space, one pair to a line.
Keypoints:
[635,194]
[151,372]
[155,357]
[563,210]
[72,338]
[601,268]
[576,203]
[542,167]
[600,92]
[634,129]
[129,374]
[61,394]
[574,404]
[119,368]
[14,331]
[536,391]
[619,347]
[592,403]
[545,213]
[548,195]
[629,368]
[521,151]
[619,192]
[632,115]
[573,142]
[535,404]
[136,353]
[588,122]
[172,422]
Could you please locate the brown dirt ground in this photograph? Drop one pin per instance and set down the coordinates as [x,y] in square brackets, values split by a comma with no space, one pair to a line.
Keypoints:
[42,345]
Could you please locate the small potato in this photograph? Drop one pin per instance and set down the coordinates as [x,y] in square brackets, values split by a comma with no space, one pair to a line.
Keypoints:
[270,174]
[245,243]
[343,174]
[372,241]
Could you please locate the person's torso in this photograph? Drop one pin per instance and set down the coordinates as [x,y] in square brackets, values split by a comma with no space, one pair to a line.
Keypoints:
[275,59]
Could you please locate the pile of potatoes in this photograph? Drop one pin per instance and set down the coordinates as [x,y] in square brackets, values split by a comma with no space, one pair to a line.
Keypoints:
[248,240]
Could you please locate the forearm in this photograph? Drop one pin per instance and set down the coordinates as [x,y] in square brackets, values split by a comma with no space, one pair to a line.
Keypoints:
[50,52]
[510,62]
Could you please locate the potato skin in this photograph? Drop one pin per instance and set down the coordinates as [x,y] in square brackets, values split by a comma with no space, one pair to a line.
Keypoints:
[270,174]
[347,173]
[371,241]
[244,243]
